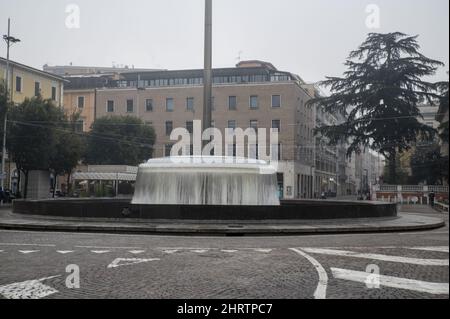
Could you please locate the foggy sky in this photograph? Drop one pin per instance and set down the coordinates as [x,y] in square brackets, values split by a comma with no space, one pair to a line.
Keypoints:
[310,38]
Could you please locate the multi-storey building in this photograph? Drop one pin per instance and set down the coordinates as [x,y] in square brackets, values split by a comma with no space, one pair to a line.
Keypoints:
[69,70]
[80,95]
[254,94]
[27,82]
[326,165]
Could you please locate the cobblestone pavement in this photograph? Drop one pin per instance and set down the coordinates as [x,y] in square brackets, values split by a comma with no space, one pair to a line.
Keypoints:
[41,265]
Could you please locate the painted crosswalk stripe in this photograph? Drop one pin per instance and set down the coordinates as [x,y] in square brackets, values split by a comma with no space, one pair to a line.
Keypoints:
[170,251]
[64,252]
[28,251]
[260,250]
[200,251]
[443,249]
[137,252]
[396,259]
[393,282]
[100,251]
[30,289]
[229,251]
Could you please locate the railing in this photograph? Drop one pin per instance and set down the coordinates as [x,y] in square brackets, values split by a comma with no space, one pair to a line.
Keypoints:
[441,206]
[412,188]
[388,188]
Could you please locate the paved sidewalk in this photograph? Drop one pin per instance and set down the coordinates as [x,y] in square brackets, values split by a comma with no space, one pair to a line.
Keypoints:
[422,218]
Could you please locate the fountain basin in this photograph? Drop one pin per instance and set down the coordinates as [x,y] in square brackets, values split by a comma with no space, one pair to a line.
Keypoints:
[123,208]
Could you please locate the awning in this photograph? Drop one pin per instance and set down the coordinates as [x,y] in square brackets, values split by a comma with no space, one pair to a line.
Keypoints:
[104,177]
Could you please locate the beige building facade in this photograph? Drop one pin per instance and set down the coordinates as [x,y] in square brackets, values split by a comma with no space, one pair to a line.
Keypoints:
[27,82]
[256,96]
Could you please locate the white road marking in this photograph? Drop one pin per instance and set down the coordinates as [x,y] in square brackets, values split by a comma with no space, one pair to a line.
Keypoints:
[185,248]
[28,251]
[393,282]
[36,245]
[260,250]
[30,289]
[397,259]
[102,247]
[64,252]
[321,290]
[119,262]
[229,251]
[200,251]
[100,251]
[173,251]
[443,249]
[137,252]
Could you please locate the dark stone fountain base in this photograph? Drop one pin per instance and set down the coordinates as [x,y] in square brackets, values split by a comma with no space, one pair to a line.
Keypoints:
[122,208]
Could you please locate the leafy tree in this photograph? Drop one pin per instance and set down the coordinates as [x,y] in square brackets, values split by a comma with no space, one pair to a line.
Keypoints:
[443,103]
[32,135]
[3,108]
[379,95]
[119,140]
[402,172]
[68,149]
[2,103]
[427,165]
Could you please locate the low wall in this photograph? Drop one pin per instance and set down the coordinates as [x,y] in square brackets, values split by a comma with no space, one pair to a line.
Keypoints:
[122,208]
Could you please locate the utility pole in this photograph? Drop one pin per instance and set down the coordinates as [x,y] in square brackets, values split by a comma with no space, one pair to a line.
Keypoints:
[207,72]
[9,42]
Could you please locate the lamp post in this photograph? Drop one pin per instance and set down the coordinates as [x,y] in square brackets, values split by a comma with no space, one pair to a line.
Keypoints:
[207,72]
[9,42]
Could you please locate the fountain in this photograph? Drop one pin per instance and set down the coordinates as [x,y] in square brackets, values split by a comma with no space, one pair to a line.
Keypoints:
[206,181]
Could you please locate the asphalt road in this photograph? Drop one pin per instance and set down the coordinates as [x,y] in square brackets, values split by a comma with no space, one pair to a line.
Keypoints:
[45,265]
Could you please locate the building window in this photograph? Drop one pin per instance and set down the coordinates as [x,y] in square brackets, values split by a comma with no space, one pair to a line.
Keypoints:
[232,103]
[110,107]
[190,104]
[190,127]
[276,101]
[253,151]
[254,125]
[169,128]
[130,106]
[169,105]
[149,105]
[254,102]
[275,152]
[18,84]
[53,93]
[80,102]
[79,126]
[37,88]
[276,124]
[167,149]
[231,150]
[232,124]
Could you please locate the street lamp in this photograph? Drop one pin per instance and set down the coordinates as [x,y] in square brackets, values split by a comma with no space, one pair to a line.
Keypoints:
[10,40]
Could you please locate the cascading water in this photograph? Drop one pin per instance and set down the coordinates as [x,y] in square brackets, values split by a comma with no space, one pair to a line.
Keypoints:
[206,181]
